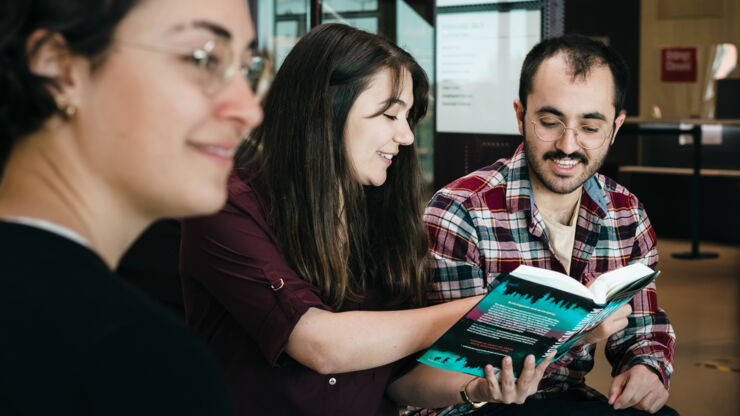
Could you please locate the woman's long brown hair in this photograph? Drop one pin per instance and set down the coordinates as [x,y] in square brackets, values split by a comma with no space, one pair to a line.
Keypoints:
[343,237]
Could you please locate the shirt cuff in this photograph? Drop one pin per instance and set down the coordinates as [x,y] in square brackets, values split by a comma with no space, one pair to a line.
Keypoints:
[653,364]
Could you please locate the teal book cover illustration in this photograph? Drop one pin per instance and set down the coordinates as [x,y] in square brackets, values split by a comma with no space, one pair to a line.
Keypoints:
[521,315]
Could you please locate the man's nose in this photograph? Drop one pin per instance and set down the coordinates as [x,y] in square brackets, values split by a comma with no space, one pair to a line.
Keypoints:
[568,142]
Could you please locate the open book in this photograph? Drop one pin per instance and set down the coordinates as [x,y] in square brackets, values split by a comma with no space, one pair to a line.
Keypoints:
[533,311]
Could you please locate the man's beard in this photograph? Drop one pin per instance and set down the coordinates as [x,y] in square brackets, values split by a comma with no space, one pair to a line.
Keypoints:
[559,184]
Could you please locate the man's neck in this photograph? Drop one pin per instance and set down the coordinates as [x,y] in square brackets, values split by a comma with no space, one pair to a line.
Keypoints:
[558,207]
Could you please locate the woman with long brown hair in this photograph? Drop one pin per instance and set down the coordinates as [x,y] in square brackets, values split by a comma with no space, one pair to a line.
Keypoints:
[310,283]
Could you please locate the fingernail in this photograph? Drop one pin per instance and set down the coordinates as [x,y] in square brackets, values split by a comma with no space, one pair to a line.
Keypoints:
[507,360]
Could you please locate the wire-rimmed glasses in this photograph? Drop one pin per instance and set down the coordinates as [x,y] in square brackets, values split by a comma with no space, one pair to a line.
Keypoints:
[216,63]
[590,135]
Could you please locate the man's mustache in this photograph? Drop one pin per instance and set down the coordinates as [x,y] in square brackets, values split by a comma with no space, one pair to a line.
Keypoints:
[559,154]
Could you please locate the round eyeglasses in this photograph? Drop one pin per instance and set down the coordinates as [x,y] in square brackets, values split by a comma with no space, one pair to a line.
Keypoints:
[590,135]
[216,64]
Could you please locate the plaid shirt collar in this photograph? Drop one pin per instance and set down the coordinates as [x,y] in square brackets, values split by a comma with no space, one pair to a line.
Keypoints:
[519,195]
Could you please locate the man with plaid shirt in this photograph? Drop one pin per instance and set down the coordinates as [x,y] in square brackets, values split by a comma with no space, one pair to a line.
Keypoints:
[547,207]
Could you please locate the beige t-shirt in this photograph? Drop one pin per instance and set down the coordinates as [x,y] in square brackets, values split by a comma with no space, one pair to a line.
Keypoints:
[562,237]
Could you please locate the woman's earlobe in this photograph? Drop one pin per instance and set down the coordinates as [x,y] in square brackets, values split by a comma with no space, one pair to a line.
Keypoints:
[67,109]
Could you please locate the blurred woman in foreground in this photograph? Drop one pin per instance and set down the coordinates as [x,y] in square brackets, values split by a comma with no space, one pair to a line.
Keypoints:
[113,114]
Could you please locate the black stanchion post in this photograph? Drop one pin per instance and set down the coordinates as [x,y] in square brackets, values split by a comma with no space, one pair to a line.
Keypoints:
[695,214]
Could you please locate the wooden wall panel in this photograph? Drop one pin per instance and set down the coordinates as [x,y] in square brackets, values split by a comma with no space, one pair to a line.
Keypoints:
[659,29]
[689,9]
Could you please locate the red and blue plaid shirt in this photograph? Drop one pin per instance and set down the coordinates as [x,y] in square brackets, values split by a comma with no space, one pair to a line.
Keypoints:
[487,223]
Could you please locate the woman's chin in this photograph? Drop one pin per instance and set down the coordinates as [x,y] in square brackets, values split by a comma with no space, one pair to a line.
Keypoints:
[203,204]
[378,181]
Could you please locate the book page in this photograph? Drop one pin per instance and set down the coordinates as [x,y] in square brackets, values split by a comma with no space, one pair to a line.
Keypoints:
[611,282]
[553,279]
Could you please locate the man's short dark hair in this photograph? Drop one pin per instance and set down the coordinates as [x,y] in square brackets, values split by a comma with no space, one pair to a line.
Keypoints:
[581,55]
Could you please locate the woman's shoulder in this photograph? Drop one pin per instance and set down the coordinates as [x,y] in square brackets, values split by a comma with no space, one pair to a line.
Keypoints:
[244,179]
[244,213]
[246,189]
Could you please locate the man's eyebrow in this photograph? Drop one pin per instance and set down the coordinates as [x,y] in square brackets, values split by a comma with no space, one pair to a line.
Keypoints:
[214,28]
[594,115]
[551,110]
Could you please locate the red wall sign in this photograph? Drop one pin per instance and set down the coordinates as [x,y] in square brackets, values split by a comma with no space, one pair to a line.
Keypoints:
[678,64]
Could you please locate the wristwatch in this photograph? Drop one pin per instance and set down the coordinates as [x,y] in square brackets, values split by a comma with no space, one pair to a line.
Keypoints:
[466,399]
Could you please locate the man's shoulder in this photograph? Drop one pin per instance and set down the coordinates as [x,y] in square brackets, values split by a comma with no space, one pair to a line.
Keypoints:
[618,195]
[481,187]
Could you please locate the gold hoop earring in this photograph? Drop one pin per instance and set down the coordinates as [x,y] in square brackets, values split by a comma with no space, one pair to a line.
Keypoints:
[68,110]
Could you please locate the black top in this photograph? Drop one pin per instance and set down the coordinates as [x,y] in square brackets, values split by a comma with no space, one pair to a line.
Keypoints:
[77,339]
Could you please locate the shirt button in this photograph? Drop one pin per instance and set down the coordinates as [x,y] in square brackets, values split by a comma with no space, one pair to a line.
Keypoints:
[332,381]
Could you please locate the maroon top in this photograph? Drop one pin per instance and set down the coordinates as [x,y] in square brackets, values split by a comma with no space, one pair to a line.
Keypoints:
[243,297]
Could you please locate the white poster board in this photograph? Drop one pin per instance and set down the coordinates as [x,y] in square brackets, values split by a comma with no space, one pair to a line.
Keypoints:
[479,56]
[446,3]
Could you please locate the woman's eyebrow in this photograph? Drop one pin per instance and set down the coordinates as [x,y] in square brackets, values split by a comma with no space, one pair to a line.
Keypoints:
[214,28]
[389,102]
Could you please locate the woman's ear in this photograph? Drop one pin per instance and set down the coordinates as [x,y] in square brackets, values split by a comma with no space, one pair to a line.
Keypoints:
[49,57]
